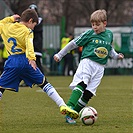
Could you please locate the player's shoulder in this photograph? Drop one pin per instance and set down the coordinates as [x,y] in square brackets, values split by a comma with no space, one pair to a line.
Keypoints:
[22,27]
[109,31]
[87,32]
[28,30]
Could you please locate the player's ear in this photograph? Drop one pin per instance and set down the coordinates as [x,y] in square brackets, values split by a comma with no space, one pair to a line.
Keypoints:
[105,23]
[30,20]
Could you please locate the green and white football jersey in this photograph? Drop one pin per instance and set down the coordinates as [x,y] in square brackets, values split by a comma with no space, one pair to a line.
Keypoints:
[96,47]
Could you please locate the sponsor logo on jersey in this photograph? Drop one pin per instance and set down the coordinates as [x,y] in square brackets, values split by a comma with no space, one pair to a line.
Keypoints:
[101,52]
[100,42]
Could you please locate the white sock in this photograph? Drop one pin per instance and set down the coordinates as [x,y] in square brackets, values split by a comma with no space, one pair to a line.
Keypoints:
[52,93]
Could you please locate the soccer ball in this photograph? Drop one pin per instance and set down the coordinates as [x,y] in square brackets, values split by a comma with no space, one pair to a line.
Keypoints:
[88,115]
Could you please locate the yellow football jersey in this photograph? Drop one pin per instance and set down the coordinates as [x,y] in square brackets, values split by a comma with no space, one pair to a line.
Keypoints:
[17,38]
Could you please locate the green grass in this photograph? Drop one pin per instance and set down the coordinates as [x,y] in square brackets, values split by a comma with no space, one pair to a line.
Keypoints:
[31,111]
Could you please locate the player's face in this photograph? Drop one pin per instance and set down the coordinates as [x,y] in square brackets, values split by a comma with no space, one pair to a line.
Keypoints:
[32,25]
[98,27]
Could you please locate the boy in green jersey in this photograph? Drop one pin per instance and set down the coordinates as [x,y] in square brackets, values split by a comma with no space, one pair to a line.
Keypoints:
[97,48]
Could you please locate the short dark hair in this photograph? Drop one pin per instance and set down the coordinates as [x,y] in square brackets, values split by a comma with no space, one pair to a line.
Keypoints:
[28,14]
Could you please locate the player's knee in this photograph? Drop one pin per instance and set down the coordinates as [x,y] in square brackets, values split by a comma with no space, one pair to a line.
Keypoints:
[83,85]
[2,90]
[44,83]
[87,95]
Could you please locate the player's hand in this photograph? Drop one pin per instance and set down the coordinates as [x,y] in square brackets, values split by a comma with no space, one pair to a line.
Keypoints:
[120,56]
[33,64]
[56,58]
[16,17]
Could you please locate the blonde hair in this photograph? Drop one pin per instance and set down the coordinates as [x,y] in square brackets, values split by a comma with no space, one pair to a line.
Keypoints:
[98,16]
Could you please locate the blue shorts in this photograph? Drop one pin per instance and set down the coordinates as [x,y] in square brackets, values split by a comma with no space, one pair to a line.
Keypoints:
[16,69]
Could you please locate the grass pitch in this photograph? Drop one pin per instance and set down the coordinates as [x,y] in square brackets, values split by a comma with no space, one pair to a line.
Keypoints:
[32,111]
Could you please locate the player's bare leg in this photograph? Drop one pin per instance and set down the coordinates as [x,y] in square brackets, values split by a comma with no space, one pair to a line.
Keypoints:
[53,94]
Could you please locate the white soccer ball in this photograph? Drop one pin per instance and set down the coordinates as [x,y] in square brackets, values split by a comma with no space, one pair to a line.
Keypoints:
[88,115]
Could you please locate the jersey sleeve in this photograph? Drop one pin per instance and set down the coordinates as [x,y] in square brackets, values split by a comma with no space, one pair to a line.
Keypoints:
[83,38]
[113,54]
[29,47]
[4,21]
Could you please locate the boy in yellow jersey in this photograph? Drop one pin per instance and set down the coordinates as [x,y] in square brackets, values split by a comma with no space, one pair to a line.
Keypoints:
[21,63]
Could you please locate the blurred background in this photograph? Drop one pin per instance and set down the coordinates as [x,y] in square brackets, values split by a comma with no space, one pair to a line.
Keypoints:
[62,18]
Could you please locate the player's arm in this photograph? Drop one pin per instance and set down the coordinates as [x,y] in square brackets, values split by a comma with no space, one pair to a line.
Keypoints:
[78,41]
[113,54]
[10,19]
[16,17]
[4,21]
[70,46]
[30,51]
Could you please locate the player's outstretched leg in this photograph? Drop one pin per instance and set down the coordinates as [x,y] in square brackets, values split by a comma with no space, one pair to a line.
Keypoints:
[65,110]
[53,94]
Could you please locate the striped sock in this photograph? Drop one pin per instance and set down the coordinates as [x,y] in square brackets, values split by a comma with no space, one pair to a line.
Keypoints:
[81,104]
[76,94]
[52,93]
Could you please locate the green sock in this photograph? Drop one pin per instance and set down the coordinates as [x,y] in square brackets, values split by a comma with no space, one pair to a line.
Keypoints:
[76,94]
[80,104]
